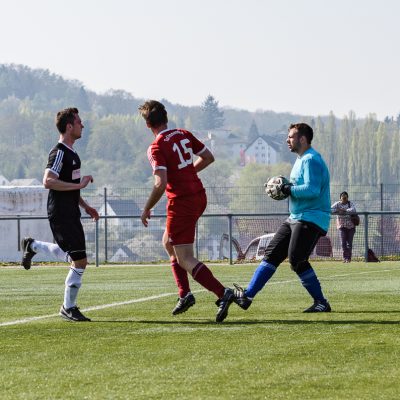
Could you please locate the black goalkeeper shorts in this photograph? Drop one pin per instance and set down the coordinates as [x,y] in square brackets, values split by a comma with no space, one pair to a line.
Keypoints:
[69,235]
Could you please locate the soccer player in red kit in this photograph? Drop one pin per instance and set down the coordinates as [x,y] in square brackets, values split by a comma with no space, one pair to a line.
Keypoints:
[171,156]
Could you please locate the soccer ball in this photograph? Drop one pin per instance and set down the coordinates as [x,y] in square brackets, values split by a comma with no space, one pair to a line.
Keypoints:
[273,187]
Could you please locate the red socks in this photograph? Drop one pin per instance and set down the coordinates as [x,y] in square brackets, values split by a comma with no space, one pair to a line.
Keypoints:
[181,278]
[204,276]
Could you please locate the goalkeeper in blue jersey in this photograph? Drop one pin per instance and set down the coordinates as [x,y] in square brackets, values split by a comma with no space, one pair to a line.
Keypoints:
[309,205]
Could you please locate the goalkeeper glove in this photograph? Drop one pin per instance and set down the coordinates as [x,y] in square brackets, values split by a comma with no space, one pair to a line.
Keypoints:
[286,188]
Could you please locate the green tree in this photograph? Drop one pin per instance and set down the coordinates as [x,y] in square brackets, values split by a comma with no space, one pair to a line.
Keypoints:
[249,195]
[211,116]
[382,168]
[394,159]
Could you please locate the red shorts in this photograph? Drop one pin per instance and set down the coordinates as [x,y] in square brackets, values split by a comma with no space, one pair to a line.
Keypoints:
[182,215]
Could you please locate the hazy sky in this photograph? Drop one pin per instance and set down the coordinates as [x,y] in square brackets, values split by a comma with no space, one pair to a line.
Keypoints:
[301,56]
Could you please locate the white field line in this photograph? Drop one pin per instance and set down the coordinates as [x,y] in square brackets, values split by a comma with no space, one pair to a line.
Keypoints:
[159,296]
[101,307]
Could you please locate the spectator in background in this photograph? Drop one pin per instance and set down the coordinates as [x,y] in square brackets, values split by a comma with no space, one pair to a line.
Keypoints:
[344,208]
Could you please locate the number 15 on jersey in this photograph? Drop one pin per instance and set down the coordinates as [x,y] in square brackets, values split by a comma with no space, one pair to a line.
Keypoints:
[185,153]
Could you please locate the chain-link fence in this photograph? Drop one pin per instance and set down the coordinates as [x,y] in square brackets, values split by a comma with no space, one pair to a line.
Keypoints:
[229,237]
[234,219]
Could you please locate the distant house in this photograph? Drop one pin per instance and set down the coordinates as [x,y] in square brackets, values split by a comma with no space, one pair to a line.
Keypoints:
[263,150]
[4,181]
[225,143]
[119,207]
[25,182]
[124,254]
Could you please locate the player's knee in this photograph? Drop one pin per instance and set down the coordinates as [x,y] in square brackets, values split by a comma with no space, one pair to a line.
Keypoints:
[79,258]
[74,279]
[272,260]
[299,266]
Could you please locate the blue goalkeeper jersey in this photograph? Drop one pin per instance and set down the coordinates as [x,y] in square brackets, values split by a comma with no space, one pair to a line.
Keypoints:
[310,198]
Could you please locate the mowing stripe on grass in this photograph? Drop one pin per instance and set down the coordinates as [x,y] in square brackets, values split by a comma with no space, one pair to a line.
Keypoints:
[159,296]
[102,307]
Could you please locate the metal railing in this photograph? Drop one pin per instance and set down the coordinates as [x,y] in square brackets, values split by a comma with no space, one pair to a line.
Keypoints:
[380,227]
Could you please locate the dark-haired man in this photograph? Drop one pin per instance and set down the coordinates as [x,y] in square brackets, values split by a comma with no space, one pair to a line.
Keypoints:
[171,156]
[63,179]
[309,204]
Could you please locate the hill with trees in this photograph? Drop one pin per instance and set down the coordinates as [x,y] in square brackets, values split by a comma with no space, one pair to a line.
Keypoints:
[115,138]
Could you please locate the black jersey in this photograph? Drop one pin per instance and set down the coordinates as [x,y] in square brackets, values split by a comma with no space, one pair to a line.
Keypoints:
[66,164]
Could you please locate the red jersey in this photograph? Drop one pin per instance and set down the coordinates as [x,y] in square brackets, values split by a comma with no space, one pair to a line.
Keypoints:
[173,151]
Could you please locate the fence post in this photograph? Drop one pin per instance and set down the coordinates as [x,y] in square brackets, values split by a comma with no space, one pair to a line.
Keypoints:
[96,241]
[197,240]
[366,236]
[105,227]
[230,238]
[19,233]
[381,218]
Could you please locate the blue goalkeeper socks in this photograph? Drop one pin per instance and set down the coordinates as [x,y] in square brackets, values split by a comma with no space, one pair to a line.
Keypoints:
[261,276]
[311,283]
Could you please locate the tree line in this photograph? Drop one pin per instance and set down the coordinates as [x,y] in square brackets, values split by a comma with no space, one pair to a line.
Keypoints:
[358,151]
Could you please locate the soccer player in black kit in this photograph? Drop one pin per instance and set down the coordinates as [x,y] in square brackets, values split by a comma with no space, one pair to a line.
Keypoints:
[63,179]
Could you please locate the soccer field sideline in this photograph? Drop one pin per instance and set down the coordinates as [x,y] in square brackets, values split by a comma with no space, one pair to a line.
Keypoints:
[156,297]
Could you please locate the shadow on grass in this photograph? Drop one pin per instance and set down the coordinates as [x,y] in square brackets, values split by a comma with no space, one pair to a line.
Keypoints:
[252,322]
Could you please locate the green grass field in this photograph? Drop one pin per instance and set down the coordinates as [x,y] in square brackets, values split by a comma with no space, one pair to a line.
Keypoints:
[135,349]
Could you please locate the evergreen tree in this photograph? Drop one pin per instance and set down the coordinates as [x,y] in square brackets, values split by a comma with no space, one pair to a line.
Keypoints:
[394,159]
[353,171]
[381,154]
[253,132]
[341,157]
[211,116]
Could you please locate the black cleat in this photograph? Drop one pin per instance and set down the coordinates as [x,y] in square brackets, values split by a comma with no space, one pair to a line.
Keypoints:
[319,306]
[184,303]
[27,252]
[223,304]
[72,314]
[240,297]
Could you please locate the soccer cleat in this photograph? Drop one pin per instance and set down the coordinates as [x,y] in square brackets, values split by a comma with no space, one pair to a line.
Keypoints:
[240,297]
[72,314]
[319,306]
[184,303]
[223,304]
[27,252]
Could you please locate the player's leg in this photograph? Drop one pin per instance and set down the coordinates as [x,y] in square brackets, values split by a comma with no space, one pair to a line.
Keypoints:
[179,273]
[183,215]
[71,239]
[303,240]
[30,247]
[203,275]
[199,271]
[186,298]
[275,253]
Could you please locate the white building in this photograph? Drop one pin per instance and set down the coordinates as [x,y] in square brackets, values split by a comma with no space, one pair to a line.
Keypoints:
[25,182]
[119,207]
[225,143]
[22,201]
[3,181]
[264,150]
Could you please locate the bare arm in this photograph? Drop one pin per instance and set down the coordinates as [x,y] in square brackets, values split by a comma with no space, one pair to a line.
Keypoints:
[204,160]
[160,183]
[51,181]
[89,210]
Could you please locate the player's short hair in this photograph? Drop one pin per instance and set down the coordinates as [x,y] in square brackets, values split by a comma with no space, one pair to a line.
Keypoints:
[64,117]
[343,194]
[154,113]
[303,130]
